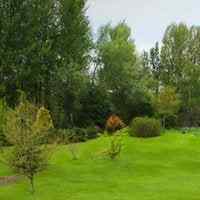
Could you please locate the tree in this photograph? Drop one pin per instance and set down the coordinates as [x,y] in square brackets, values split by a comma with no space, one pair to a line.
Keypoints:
[27,47]
[119,69]
[3,110]
[95,106]
[73,45]
[45,51]
[174,54]
[26,127]
[180,67]
[117,54]
[156,66]
[167,103]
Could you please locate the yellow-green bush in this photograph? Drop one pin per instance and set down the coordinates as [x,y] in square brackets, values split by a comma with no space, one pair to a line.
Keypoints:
[43,121]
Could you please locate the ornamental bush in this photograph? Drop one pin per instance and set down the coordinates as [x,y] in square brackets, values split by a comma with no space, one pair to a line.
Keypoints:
[114,123]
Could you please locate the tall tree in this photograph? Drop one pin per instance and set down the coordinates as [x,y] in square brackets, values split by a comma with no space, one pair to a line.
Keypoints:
[156,66]
[118,56]
[44,50]
[119,69]
[152,69]
[174,54]
[73,47]
[27,59]
[191,83]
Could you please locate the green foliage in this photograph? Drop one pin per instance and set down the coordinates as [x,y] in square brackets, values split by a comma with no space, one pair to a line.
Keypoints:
[117,54]
[167,103]
[180,67]
[28,159]
[119,70]
[43,122]
[27,41]
[45,51]
[78,134]
[19,123]
[93,132]
[176,64]
[25,128]
[95,106]
[74,135]
[3,110]
[174,54]
[73,45]
[115,147]
[145,127]
[152,68]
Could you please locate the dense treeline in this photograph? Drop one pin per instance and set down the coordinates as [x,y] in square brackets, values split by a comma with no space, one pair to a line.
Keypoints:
[47,52]
[177,64]
[45,48]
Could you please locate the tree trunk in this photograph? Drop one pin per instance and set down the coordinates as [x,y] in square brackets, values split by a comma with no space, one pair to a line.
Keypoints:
[164,122]
[31,178]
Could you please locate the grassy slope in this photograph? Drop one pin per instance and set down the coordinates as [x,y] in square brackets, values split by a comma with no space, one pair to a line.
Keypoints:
[161,168]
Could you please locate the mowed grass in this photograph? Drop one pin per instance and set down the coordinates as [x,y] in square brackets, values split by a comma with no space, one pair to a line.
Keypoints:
[162,168]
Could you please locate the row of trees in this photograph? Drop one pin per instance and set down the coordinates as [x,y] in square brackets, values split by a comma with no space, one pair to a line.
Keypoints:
[47,51]
[177,64]
[44,51]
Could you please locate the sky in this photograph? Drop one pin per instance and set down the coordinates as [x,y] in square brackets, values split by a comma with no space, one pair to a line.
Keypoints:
[148,19]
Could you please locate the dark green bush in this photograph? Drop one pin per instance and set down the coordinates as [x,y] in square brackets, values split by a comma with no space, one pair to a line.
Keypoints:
[93,132]
[83,134]
[145,127]
[78,134]
[73,135]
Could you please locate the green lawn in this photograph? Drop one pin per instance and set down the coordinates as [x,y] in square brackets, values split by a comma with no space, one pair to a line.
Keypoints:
[163,168]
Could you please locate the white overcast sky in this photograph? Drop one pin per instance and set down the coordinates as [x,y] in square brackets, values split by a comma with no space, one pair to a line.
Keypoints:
[147,18]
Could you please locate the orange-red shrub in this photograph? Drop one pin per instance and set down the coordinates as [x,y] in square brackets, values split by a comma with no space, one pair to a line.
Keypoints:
[114,123]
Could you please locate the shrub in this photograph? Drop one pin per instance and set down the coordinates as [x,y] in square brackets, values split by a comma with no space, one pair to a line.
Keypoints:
[78,134]
[115,147]
[114,123]
[82,134]
[145,127]
[73,135]
[92,132]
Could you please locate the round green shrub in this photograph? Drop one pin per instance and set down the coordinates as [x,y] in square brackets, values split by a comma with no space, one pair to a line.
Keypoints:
[145,127]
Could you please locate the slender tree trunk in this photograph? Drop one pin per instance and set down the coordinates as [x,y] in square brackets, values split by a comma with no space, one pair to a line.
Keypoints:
[164,122]
[31,178]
